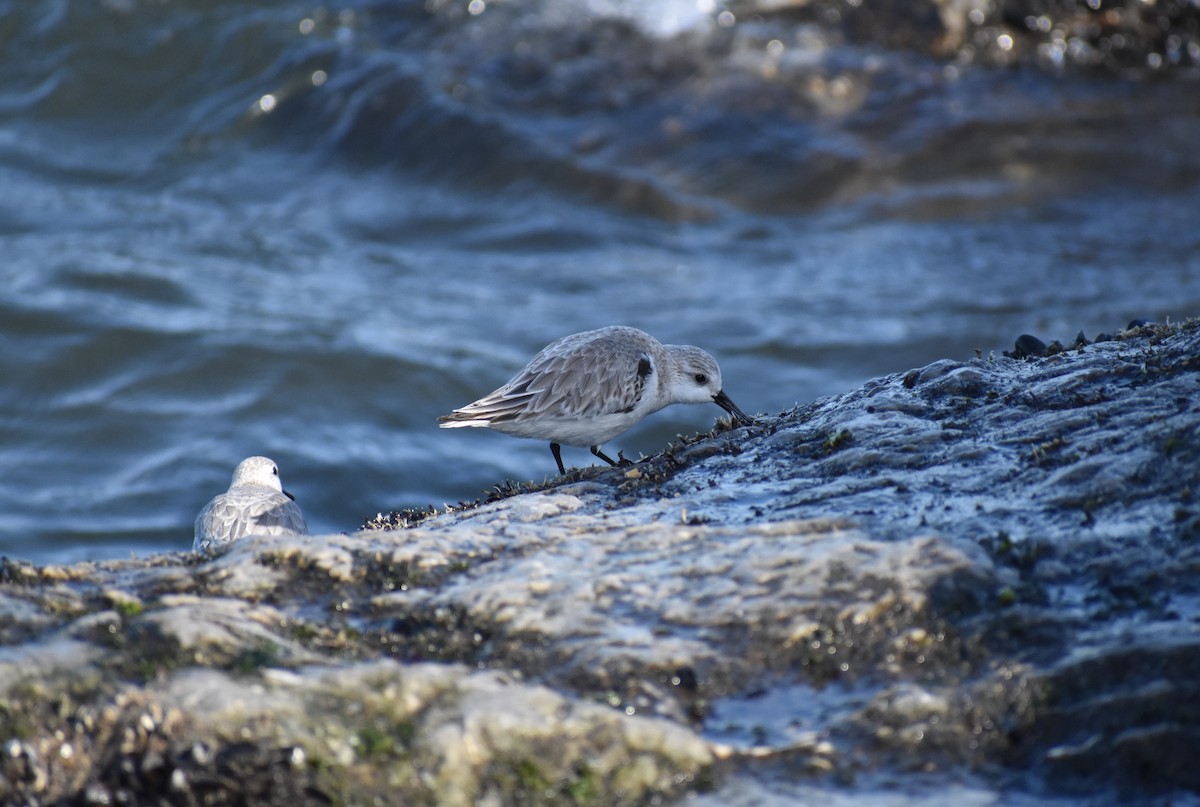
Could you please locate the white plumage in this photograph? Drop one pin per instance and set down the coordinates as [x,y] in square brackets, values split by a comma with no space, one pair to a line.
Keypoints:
[255,503]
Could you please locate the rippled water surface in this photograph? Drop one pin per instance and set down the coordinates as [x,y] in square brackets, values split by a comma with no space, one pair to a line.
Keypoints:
[306,232]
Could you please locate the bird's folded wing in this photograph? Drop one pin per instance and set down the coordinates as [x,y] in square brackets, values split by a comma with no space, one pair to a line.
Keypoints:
[588,382]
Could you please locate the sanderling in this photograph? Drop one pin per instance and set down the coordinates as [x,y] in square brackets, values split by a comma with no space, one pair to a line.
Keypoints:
[585,389]
[255,503]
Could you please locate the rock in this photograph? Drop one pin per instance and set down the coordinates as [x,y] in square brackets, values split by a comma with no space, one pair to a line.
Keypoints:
[1029,346]
[1122,36]
[981,571]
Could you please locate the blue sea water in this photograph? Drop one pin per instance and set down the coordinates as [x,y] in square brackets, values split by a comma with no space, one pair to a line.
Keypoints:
[270,228]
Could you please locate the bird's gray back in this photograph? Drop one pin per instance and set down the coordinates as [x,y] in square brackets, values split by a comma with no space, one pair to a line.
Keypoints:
[584,375]
[596,373]
[245,511]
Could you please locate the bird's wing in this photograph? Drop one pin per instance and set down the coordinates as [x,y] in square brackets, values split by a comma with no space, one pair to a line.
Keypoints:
[279,515]
[235,514]
[587,380]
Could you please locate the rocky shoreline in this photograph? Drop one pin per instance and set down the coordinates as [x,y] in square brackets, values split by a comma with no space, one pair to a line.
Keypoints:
[979,573]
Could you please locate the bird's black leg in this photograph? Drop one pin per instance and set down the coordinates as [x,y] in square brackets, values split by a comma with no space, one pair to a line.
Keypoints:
[596,450]
[556,451]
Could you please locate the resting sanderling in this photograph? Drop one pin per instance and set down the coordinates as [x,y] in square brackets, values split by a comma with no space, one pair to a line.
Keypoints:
[585,389]
[255,503]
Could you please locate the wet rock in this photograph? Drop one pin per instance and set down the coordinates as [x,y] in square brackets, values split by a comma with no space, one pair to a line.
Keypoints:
[981,570]
[1123,36]
[1028,346]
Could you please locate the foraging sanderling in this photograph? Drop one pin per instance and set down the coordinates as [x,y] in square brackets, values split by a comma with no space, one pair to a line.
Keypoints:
[585,389]
[255,503]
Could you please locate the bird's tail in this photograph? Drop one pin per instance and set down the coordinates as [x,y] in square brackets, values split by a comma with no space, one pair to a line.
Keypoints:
[458,420]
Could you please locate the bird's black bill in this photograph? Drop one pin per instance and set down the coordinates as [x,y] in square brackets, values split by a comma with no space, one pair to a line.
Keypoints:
[290,496]
[722,400]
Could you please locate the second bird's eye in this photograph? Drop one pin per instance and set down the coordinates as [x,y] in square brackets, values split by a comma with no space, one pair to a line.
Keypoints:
[701,378]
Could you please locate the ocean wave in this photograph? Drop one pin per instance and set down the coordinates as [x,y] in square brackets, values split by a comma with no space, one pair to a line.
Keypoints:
[670,109]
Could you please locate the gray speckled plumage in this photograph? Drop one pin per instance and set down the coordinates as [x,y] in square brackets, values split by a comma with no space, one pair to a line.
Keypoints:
[587,388]
[255,503]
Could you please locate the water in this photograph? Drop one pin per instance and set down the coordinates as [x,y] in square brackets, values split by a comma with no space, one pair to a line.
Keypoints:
[269,228]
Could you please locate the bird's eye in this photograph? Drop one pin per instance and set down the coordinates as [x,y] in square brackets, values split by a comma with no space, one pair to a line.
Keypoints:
[275,470]
[701,378]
